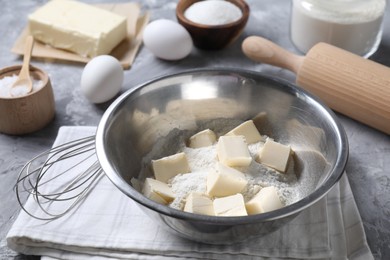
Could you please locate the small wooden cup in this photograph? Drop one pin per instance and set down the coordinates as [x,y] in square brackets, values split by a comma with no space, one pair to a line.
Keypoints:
[213,37]
[29,113]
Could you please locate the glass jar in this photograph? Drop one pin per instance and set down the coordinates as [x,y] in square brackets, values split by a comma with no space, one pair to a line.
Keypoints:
[353,25]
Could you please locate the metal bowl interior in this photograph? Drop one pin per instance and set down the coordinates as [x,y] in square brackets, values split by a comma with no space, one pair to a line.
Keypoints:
[145,118]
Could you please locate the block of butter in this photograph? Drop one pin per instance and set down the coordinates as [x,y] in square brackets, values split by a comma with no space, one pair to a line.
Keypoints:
[77,27]
[170,166]
[275,155]
[233,151]
[230,206]
[265,200]
[158,191]
[202,139]
[199,203]
[225,181]
[248,130]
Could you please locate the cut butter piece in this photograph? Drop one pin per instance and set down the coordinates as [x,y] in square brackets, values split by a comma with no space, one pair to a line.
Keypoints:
[230,206]
[158,191]
[170,166]
[225,181]
[199,203]
[233,151]
[265,200]
[77,27]
[202,139]
[248,130]
[275,155]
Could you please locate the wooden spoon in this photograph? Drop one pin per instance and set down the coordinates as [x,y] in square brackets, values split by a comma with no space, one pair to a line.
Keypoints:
[24,79]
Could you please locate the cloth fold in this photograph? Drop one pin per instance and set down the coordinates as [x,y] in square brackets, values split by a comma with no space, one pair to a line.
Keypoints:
[108,224]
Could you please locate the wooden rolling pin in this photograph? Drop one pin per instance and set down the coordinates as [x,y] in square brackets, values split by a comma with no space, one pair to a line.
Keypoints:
[347,83]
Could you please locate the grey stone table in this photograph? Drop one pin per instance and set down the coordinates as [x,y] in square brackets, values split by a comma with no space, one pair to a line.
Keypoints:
[368,168]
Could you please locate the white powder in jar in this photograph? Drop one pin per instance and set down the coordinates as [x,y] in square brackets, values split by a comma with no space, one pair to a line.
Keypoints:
[353,25]
[19,91]
[213,12]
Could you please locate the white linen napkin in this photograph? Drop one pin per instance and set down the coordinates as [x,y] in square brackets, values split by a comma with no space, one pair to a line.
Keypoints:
[108,224]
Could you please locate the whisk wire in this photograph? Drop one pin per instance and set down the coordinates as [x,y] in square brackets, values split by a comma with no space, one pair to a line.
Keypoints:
[94,177]
[41,170]
[69,186]
[75,184]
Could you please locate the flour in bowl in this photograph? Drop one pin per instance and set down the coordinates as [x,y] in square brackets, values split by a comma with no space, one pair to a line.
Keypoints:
[203,160]
[238,168]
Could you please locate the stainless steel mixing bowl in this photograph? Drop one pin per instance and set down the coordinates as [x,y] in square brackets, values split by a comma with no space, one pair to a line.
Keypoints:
[142,121]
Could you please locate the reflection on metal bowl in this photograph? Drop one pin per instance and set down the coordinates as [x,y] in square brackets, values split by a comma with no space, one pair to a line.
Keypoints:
[159,111]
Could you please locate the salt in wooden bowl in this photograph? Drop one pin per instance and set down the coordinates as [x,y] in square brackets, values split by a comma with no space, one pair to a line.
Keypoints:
[28,113]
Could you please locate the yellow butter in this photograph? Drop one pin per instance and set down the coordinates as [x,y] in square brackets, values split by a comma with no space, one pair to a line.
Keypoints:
[265,200]
[157,191]
[248,130]
[77,27]
[225,181]
[199,203]
[168,167]
[202,139]
[230,206]
[275,155]
[233,151]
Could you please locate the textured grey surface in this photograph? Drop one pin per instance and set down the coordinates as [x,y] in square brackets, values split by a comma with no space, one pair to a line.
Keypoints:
[368,168]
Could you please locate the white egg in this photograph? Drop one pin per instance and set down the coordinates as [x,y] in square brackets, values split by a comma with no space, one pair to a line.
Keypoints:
[167,39]
[102,79]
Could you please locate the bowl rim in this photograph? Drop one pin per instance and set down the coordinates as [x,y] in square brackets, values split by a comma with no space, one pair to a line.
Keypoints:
[289,210]
[243,19]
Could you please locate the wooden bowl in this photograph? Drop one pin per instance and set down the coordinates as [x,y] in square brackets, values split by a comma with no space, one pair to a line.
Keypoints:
[213,37]
[29,113]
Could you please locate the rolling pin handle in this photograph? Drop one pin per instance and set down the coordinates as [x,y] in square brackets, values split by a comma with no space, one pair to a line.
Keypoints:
[262,50]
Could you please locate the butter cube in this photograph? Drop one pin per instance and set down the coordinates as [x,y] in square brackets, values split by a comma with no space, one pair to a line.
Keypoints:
[233,151]
[168,167]
[248,130]
[78,27]
[230,206]
[225,181]
[265,200]
[202,139]
[158,191]
[199,203]
[275,155]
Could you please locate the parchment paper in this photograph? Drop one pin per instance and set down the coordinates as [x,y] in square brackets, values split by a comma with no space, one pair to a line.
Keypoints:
[125,52]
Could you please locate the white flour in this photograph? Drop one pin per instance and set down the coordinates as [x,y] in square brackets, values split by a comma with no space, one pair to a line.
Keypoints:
[203,160]
[292,185]
[354,25]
